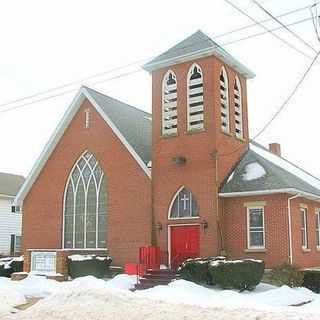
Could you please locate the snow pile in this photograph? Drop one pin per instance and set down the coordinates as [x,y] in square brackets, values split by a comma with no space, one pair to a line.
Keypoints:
[81,257]
[89,298]
[9,298]
[122,282]
[253,171]
[32,286]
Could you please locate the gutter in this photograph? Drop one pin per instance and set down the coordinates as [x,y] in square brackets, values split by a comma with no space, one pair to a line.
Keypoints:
[290,226]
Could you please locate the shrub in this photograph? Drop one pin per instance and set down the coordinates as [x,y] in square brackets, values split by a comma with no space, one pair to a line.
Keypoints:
[286,274]
[237,274]
[196,270]
[311,280]
[84,265]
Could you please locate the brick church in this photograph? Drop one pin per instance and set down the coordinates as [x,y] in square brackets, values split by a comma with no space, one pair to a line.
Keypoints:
[113,178]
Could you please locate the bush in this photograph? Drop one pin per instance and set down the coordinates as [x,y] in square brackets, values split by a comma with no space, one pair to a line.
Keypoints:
[197,269]
[311,280]
[9,265]
[286,274]
[238,274]
[84,265]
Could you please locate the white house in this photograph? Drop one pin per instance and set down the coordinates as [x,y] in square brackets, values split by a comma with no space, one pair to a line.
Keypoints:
[10,219]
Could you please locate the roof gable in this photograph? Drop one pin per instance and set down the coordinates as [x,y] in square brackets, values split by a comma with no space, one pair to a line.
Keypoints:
[279,174]
[197,45]
[110,110]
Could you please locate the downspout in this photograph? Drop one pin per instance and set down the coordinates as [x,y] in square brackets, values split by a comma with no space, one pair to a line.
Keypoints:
[290,227]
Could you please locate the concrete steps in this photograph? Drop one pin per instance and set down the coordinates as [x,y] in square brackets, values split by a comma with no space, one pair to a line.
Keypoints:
[154,278]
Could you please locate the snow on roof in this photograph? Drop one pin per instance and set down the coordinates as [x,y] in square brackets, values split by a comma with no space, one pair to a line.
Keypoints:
[254,171]
[286,165]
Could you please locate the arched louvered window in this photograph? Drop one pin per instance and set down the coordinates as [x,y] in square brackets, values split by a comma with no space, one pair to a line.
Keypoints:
[238,108]
[195,98]
[224,100]
[184,205]
[169,104]
[85,208]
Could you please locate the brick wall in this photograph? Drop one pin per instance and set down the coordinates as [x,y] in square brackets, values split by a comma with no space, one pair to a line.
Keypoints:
[199,174]
[276,230]
[128,188]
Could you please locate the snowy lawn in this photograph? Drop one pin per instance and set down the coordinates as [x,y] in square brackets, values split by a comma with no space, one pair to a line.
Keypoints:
[91,298]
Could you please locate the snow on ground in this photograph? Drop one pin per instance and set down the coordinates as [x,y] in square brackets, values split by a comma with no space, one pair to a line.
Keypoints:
[254,171]
[91,298]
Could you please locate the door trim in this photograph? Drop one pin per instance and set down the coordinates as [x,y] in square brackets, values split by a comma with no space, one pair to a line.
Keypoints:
[169,236]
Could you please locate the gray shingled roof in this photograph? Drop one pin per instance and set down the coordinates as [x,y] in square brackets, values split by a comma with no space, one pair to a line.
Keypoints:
[10,184]
[275,177]
[134,124]
[195,46]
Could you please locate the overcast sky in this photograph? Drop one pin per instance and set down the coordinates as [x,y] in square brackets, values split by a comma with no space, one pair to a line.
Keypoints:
[45,44]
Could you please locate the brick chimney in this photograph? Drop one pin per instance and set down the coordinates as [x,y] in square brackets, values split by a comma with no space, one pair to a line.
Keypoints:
[275,148]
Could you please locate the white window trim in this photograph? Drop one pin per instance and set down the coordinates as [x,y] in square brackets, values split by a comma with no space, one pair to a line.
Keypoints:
[171,204]
[188,108]
[237,81]
[318,230]
[163,130]
[304,228]
[98,185]
[249,246]
[225,75]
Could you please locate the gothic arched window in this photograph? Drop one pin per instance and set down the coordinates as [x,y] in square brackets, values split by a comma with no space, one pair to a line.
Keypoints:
[169,104]
[224,100]
[85,208]
[238,108]
[195,98]
[184,205]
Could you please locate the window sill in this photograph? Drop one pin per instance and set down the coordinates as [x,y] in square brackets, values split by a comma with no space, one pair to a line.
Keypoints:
[194,131]
[317,248]
[306,250]
[167,136]
[256,250]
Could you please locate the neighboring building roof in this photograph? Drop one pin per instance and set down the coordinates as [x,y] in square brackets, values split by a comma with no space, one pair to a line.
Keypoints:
[260,171]
[198,45]
[133,123]
[132,126]
[10,184]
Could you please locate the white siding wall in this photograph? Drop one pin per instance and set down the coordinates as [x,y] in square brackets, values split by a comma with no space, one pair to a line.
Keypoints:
[10,223]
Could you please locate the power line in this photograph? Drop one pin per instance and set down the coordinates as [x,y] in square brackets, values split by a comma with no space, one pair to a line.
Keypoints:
[100,74]
[289,97]
[270,31]
[262,21]
[136,71]
[282,106]
[283,25]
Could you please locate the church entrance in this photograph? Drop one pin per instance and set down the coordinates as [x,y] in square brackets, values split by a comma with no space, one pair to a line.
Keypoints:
[184,241]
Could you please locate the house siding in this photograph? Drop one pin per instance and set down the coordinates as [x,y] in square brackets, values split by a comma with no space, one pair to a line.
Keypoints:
[10,223]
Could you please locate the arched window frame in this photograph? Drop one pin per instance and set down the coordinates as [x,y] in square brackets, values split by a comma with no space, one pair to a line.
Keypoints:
[238,112]
[195,114]
[169,115]
[173,200]
[224,101]
[98,188]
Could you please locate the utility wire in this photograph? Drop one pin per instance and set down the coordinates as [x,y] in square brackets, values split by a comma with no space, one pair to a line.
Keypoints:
[100,74]
[135,71]
[268,30]
[285,103]
[283,25]
[282,106]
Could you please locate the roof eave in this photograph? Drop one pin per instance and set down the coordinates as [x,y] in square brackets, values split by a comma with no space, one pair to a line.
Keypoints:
[228,59]
[307,195]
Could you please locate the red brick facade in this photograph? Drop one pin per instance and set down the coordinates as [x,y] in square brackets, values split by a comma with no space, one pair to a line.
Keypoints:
[128,188]
[137,207]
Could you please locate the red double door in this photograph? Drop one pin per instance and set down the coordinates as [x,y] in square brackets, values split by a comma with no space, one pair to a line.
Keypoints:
[185,243]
